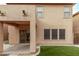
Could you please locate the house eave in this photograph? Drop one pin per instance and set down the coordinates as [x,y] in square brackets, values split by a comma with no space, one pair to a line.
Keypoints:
[40,3]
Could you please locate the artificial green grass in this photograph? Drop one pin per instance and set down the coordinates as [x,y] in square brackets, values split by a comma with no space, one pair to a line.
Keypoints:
[59,51]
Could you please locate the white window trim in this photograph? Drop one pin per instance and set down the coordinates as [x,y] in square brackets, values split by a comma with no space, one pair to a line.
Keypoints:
[58,35]
[50,34]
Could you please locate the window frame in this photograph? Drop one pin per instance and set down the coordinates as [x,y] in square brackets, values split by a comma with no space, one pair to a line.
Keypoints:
[62,34]
[52,37]
[47,34]
[67,11]
[57,33]
[39,13]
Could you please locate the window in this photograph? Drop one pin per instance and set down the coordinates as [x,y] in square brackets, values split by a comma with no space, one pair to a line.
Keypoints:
[67,12]
[54,33]
[46,33]
[39,11]
[51,34]
[61,33]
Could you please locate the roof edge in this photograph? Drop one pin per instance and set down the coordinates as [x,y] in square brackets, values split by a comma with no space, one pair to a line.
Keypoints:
[40,3]
[76,14]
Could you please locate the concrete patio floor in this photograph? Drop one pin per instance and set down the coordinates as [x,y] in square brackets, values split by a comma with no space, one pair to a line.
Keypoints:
[20,49]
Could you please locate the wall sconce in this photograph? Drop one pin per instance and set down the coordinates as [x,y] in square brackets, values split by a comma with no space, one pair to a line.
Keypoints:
[24,13]
[1,13]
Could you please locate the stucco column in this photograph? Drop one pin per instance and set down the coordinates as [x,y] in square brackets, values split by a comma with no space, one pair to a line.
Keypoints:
[1,37]
[5,27]
[32,36]
[13,35]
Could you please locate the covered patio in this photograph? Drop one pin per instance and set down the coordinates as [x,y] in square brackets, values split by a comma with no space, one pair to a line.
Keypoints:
[16,44]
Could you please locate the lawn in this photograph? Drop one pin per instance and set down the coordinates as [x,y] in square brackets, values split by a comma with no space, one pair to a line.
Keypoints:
[59,51]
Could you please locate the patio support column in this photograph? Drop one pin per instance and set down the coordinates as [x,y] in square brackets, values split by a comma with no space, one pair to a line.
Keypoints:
[1,37]
[32,36]
[13,35]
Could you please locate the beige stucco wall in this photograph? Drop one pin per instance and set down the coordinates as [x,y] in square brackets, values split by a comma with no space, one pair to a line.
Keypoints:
[76,24]
[54,19]
[1,37]
[14,12]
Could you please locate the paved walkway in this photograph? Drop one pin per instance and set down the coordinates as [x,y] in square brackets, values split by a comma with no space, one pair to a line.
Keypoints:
[19,50]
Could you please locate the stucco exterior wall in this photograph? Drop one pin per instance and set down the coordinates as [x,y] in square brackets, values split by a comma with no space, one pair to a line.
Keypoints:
[76,24]
[1,37]
[54,19]
[14,12]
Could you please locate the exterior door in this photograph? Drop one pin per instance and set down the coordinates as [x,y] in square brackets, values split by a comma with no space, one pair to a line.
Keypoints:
[24,36]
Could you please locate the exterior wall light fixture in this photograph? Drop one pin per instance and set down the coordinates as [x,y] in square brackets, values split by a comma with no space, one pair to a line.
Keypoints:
[24,13]
[1,13]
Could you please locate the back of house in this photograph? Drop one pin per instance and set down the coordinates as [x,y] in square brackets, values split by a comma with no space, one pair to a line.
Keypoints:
[37,24]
